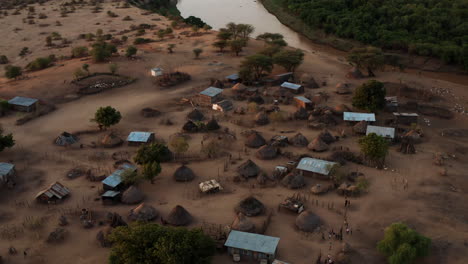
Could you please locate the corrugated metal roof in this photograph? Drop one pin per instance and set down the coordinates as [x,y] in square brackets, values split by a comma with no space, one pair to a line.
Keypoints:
[284,74]
[23,101]
[211,91]
[253,242]
[290,85]
[405,114]
[138,136]
[233,77]
[6,168]
[303,99]
[388,132]
[315,165]
[114,179]
[351,116]
[278,262]
[55,190]
[110,194]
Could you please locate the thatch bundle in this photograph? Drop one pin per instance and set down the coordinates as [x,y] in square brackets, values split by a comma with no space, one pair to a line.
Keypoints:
[179,217]
[293,181]
[196,115]
[190,127]
[318,145]
[262,119]
[248,169]
[267,152]
[319,189]
[360,127]
[339,109]
[342,88]
[299,140]
[354,73]
[143,212]
[184,174]
[250,206]
[326,137]
[239,87]
[66,139]
[132,195]
[255,140]
[243,224]
[111,140]
[308,221]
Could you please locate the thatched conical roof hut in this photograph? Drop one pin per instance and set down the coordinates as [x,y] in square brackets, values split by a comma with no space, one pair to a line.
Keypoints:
[293,181]
[262,119]
[132,195]
[326,137]
[190,127]
[184,174]
[196,115]
[143,212]
[342,88]
[212,125]
[239,87]
[243,224]
[111,140]
[217,84]
[267,152]
[262,179]
[299,140]
[66,139]
[250,206]
[308,221]
[301,114]
[255,140]
[414,135]
[360,127]
[248,169]
[355,73]
[179,217]
[318,145]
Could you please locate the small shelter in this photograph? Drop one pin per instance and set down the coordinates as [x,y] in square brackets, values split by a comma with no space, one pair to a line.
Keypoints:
[251,246]
[111,140]
[267,152]
[7,172]
[299,140]
[233,78]
[308,81]
[223,106]
[132,195]
[342,88]
[326,137]
[239,88]
[317,145]
[292,87]
[255,140]
[360,127]
[66,139]
[248,169]
[355,73]
[179,216]
[315,167]
[356,117]
[262,119]
[196,115]
[210,186]
[111,197]
[293,181]
[302,102]
[143,212]
[293,204]
[138,138]
[23,104]
[55,192]
[156,72]
[406,118]
[279,141]
[391,104]
[386,132]
[210,95]
[308,221]
[184,174]
[114,181]
[243,224]
[250,206]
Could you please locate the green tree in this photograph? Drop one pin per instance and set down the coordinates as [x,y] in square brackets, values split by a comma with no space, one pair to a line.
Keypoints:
[270,50]
[131,51]
[289,59]
[78,73]
[4,59]
[113,68]
[101,51]
[151,170]
[259,64]
[237,45]
[78,52]
[156,152]
[171,47]
[403,245]
[85,67]
[195,29]
[220,44]
[106,117]
[39,64]
[224,34]
[369,58]
[179,144]
[246,75]
[130,177]
[6,141]
[374,148]
[207,27]
[13,72]
[152,243]
[370,96]
[197,52]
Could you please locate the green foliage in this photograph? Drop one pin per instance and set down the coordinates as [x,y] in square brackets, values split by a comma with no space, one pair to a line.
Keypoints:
[85,67]
[113,68]
[4,59]
[78,52]
[107,116]
[39,64]
[13,72]
[224,34]
[239,31]
[259,64]
[6,141]
[289,59]
[179,144]
[270,50]
[362,183]
[246,75]
[207,27]
[156,152]
[130,177]
[368,58]
[370,96]
[273,39]
[220,44]
[197,52]
[171,47]
[151,170]
[237,45]
[138,41]
[403,245]
[374,147]
[152,243]
[102,51]
[131,51]
[194,21]
[78,73]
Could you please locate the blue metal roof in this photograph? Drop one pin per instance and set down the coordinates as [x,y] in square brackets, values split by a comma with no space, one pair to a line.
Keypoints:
[233,77]
[303,99]
[110,194]
[290,85]
[211,91]
[114,179]
[315,165]
[351,116]
[252,242]
[23,101]
[138,136]
[5,168]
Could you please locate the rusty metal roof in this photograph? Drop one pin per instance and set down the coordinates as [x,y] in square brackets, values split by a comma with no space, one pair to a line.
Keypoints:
[55,190]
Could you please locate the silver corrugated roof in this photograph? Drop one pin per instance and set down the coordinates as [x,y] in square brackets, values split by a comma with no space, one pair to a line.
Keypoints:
[303,99]
[110,194]
[253,242]
[290,85]
[114,179]
[388,132]
[315,165]
[405,114]
[22,101]
[233,77]
[211,91]
[351,116]
[138,136]
[6,168]
[56,189]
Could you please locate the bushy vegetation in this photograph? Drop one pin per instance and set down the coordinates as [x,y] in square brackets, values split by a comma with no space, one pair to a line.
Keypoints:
[374,148]
[155,152]
[194,21]
[6,141]
[370,96]
[423,27]
[40,63]
[78,52]
[102,50]
[106,117]
[13,72]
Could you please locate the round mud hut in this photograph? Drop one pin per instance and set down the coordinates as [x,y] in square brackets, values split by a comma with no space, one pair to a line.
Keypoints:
[262,119]
[308,221]
[179,217]
[111,140]
[184,174]
[342,88]
[299,140]
[132,195]
[250,206]
[66,139]
[326,137]
[317,145]
[248,169]
[360,127]
[293,181]
[196,115]
[255,140]
[243,224]
[190,127]
[143,212]
[267,152]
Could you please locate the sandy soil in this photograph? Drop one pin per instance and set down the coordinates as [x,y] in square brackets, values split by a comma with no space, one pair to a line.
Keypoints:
[432,204]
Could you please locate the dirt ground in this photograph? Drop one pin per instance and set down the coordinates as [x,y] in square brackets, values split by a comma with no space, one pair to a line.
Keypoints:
[434,205]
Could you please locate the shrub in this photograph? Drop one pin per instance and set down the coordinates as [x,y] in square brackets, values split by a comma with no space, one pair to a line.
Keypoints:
[13,72]
[39,64]
[155,152]
[106,117]
[370,96]
[4,59]
[79,52]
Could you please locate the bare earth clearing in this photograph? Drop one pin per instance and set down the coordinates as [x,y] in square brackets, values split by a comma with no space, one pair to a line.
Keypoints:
[432,204]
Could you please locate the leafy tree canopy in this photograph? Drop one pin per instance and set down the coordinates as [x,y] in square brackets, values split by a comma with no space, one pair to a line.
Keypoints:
[107,116]
[289,59]
[369,58]
[6,141]
[374,147]
[13,72]
[370,96]
[155,152]
[260,64]
[102,50]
